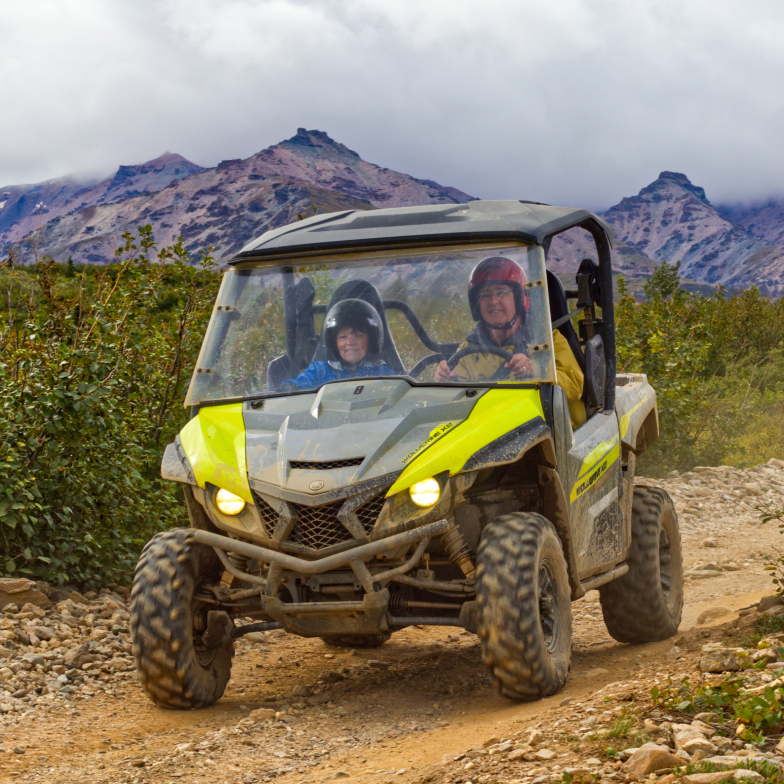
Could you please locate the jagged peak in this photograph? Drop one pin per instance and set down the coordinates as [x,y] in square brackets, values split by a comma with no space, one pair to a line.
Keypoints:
[162,161]
[316,143]
[168,158]
[667,179]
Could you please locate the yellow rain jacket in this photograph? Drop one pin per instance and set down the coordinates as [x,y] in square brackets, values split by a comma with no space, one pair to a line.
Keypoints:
[479,367]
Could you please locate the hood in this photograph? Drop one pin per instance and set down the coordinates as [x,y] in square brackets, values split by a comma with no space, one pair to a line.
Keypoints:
[347,433]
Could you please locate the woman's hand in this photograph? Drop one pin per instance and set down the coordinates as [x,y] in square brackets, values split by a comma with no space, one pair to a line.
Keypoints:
[520,365]
[443,373]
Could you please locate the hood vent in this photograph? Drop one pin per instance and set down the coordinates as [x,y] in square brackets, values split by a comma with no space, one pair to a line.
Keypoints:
[311,465]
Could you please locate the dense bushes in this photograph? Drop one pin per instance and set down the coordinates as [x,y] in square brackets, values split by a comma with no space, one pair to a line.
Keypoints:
[92,370]
[717,364]
[94,362]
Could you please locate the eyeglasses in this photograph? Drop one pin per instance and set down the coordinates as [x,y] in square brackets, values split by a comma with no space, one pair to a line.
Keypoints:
[495,292]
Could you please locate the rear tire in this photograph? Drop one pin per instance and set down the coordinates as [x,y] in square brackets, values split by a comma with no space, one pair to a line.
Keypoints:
[357,640]
[646,603]
[524,606]
[175,668]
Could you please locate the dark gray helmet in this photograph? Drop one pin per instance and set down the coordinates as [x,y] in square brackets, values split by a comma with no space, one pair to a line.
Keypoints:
[359,315]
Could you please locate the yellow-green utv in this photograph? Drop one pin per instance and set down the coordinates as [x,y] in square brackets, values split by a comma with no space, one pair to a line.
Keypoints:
[395,422]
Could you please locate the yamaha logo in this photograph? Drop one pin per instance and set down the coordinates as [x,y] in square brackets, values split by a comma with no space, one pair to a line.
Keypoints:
[317,485]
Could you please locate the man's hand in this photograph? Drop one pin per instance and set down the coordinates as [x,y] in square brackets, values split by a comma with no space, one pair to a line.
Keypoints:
[443,373]
[520,365]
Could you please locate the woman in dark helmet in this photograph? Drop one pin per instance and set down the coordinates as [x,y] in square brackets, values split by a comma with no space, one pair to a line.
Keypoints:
[353,339]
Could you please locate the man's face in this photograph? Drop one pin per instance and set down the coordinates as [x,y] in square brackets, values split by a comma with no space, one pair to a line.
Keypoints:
[496,304]
[352,345]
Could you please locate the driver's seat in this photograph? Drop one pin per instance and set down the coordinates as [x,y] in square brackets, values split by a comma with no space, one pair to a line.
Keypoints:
[559,307]
[361,289]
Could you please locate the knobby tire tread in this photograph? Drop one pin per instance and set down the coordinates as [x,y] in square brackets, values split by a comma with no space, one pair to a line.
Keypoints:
[512,643]
[162,624]
[634,605]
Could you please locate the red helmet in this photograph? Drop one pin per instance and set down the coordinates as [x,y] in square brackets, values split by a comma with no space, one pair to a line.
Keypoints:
[496,269]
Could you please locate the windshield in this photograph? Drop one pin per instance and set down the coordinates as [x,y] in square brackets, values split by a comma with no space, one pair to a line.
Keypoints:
[457,316]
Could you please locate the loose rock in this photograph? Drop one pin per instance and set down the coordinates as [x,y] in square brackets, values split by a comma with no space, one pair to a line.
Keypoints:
[725,660]
[650,758]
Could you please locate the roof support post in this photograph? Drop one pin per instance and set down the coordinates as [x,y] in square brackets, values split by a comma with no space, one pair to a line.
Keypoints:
[608,308]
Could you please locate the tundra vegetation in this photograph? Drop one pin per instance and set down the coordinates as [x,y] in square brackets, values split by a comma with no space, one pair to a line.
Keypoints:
[94,363]
[95,360]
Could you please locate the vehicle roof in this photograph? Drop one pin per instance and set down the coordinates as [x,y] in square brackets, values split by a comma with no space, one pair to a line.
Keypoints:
[438,224]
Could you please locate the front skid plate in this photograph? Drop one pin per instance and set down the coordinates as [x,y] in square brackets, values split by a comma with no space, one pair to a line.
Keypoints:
[310,620]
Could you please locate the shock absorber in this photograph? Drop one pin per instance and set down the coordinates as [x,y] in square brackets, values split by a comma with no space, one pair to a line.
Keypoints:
[239,562]
[458,551]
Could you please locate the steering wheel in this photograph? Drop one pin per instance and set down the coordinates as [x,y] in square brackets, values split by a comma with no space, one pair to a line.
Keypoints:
[497,351]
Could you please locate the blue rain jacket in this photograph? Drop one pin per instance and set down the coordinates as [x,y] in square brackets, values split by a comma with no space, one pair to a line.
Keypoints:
[318,373]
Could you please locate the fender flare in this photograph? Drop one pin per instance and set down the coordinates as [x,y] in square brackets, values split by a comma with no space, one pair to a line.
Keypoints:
[512,447]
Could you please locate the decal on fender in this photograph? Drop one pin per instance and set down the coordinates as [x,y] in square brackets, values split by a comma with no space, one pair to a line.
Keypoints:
[627,417]
[435,434]
[594,469]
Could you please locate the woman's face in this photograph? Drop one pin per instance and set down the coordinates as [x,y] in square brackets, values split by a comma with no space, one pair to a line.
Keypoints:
[352,345]
[497,304]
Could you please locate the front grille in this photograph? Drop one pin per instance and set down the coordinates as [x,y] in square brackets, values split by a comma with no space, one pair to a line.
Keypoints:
[327,466]
[319,527]
[268,515]
[369,511]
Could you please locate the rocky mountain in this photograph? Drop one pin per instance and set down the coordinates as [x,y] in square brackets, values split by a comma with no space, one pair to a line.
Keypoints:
[763,219]
[24,207]
[224,207]
[672,220]
[230,204]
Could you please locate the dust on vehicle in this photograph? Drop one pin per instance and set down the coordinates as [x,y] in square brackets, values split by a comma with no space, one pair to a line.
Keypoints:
[396,422]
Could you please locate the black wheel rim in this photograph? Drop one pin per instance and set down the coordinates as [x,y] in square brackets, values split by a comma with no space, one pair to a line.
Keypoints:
[665,564]
[548,605]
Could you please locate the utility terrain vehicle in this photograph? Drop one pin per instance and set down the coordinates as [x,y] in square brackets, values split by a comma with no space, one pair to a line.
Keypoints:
[349,507]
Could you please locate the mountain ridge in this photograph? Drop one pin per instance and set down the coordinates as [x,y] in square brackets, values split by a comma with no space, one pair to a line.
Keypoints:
[670,219]
[231,203]
[24,206]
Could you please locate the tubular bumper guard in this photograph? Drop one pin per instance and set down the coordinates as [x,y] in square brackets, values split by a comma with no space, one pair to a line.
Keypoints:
[323,618]
[361,553]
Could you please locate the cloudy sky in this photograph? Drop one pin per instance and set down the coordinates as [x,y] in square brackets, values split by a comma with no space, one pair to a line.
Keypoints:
[575,102]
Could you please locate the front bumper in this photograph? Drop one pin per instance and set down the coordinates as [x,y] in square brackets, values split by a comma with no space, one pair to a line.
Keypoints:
[367,616]
[357,555]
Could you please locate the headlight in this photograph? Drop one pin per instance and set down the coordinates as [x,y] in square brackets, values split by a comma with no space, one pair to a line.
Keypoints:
[425,493]
[229,503]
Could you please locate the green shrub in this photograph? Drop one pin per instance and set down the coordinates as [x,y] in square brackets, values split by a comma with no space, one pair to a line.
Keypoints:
[92,378]
[717,364]
[94,362]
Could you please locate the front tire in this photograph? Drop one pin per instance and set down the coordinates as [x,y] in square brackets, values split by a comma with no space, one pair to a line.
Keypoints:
[176,669]
[524,606]
[646,603]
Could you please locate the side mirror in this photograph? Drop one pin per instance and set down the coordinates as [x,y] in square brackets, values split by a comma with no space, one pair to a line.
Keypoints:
[595,371]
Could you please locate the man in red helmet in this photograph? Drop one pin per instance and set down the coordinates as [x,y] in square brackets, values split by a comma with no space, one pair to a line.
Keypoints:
[498,305]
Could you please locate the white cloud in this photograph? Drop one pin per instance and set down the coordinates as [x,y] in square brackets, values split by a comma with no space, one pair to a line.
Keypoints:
[572,101]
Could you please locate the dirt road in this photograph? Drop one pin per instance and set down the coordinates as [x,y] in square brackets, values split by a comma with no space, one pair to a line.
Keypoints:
[403,712]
